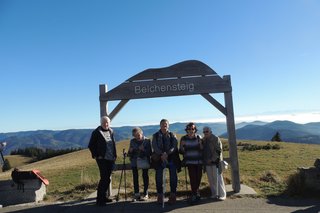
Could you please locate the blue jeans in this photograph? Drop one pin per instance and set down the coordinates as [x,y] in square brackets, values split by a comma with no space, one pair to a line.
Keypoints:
[173,178]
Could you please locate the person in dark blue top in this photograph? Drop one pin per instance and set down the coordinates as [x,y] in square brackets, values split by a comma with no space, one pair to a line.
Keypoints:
[165,153]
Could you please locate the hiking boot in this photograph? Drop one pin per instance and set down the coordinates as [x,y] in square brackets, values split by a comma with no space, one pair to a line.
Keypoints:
[172,198]
[160,198]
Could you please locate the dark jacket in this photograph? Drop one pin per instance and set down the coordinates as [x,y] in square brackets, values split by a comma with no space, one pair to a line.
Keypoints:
[98,145]
[165,143]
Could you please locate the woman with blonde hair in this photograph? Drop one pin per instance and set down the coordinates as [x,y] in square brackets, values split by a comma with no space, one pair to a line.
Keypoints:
[140,150]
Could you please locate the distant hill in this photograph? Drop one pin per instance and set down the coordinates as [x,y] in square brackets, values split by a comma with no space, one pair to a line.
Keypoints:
[79,138]
[289,132]
[46,139]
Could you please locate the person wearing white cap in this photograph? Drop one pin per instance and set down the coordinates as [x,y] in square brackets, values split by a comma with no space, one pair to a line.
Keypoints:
[212,157]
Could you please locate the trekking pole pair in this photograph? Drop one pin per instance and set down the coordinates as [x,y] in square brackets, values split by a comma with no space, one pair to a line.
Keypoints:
[125,179]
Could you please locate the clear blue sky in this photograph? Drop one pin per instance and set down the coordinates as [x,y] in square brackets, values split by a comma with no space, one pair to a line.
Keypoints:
[55,53]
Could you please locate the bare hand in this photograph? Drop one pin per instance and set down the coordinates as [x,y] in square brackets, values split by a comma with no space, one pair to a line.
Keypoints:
[141,148]
[164,157]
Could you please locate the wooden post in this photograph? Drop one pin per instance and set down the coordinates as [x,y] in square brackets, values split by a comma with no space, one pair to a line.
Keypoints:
[103,89]
[233,152]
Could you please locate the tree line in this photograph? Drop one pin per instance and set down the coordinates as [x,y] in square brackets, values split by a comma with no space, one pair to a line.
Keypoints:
[40,154]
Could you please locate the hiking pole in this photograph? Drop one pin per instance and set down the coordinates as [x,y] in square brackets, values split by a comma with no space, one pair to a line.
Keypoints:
[122,171]
[125,177]
[163,182]
[117,198]
[185,175]
[217,187]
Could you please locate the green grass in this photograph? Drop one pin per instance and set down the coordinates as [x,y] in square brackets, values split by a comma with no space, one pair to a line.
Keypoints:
[75,175]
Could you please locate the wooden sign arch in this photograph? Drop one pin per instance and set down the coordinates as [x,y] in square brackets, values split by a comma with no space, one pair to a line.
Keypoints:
[190,77]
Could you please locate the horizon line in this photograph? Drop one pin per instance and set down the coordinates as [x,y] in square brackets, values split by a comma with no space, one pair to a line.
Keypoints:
[314,117]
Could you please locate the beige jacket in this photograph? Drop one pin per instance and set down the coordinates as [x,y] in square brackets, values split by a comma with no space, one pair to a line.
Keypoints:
[211,146]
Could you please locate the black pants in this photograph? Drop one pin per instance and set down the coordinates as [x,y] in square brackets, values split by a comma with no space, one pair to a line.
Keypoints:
[195,175]
[105,169]
[145,177]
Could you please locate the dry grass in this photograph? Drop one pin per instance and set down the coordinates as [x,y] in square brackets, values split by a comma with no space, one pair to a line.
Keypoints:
[74,175]
[282,163]
[18,160]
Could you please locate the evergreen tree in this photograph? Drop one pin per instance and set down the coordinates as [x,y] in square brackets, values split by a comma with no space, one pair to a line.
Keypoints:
[276,137]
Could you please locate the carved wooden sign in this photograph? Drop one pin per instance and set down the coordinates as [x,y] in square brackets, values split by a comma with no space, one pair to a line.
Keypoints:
[185,78]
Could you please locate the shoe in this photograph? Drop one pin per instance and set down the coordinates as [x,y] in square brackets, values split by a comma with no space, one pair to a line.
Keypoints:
[108,200]
[160,198]
[101,204]
[145,198]
[192,200]
[172,198]
[221,198]
[213,197]
[136,197]
[103,201]
[198,197]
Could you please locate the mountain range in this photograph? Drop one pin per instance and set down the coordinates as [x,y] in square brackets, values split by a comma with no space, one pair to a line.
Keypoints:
[78,138]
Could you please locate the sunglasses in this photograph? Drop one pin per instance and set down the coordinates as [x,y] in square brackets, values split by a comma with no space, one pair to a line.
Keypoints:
[205,131]
[191,129]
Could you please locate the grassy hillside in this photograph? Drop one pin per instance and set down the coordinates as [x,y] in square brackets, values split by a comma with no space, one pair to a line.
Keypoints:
[74,175]
[18,160]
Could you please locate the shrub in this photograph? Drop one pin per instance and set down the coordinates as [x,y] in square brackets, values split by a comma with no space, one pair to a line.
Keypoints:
[254,147]
[270,176]
[6,165]
[276,146]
